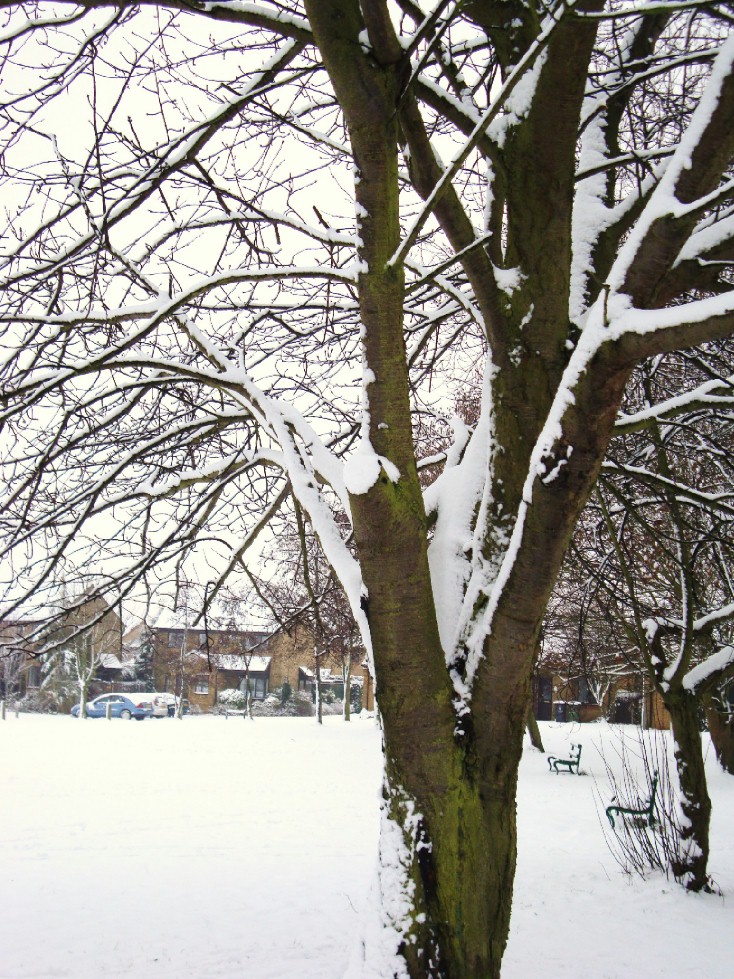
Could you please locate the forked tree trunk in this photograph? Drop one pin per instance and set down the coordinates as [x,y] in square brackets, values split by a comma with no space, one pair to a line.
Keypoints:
[450,793]
[451,776]
[692,864]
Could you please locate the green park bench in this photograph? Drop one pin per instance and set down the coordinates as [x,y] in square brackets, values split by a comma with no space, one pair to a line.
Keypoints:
[646,809]
[571,764]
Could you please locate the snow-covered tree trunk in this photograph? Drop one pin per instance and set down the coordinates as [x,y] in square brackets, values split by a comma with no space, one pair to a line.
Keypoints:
[695,803]
[246,691]
[85,663]
[536,739]
[317,687]
[347,678]
[450,777]
[83,687]
[600,690]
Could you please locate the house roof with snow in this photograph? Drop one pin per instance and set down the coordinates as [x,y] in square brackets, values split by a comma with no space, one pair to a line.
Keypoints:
[326,676]
[241,664]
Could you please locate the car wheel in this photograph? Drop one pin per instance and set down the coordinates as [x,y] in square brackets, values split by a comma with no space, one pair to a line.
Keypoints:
[125,715]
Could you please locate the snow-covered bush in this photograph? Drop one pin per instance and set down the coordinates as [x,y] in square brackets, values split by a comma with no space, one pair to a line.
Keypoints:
[332,706]
[39,702]
[232,699]
[298,705]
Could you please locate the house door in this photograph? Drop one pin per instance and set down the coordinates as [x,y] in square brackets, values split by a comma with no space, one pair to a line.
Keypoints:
[544,698]
[627,709]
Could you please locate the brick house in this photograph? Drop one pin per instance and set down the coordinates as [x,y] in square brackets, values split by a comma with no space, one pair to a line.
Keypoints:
[627,698]
[198,661]
[22,672]
[202,662]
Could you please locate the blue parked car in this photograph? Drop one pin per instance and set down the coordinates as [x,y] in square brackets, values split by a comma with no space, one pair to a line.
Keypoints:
[121,705]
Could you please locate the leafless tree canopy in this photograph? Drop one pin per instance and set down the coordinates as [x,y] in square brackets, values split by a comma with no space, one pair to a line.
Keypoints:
[180,252]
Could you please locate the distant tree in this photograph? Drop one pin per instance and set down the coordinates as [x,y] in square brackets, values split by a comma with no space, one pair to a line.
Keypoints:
[66,642]
[13,664]
[582,637]
[658,548]
[306,592]
[73,645]
[143,663]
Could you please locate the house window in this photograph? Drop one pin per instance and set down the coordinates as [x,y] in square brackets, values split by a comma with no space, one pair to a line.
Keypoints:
[258,687]
[175,639]
[201,686]
[34,676]
[585,694]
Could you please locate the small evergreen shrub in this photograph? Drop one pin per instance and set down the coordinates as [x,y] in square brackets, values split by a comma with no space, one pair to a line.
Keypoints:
[355,698]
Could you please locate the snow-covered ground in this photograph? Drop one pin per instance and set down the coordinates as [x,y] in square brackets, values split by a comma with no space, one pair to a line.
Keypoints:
[215,847]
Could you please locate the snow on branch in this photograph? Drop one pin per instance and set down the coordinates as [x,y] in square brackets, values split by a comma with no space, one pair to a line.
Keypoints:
[309,464]
[711,234]
[711,394]
[274,17]
[721,502]
[623,319]
[705,622]
[667,625]
[643,8]
[710,671]
[663,202]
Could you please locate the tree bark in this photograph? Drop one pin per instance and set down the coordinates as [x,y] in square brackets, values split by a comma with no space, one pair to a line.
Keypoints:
[692,864]
[534,731]
[83,699]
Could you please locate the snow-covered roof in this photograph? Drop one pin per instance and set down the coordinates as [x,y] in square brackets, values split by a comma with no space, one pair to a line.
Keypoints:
[326,675]
[233,661]
[176,620]
[110,661]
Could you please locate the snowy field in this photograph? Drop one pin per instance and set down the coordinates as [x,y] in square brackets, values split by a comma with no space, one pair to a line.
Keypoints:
[223,848]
